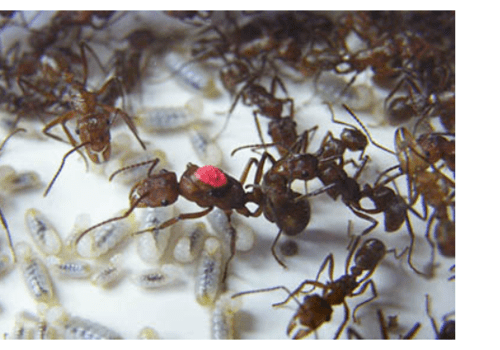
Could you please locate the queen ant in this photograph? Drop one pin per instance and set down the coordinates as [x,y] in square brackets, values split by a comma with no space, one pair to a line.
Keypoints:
[316,309]
[207,186]
[93,119]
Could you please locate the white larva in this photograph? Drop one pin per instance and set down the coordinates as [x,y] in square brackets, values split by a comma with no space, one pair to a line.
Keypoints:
[108,275]
[205,148]
[189,246]
[83,329]
[222,318]
[35,275]
[148,333]
[208,280]
[70,269]
[151,245]
[12,181]
[29,326]
[43,233]
[245,235]
[156,278]
[163,119]
[191,75]
[104,238]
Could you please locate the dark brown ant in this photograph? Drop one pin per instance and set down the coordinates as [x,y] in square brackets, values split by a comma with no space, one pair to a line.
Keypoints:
[207,186]
[447,330]
[272,190]
[317,309]
[352,333]
[93,118]
[282,129]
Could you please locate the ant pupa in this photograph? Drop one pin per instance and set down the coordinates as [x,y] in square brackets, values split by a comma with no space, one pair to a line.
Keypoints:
[208,280]
[35,275]
[206,149]
[108,275]
[72,269]
[157,278]
[43,233]
[148,333]
[191,75]
[226,230]
[29,326]
[151,245]
[189,246]
[12,181]
[222,320]
[165,119]
[103,239]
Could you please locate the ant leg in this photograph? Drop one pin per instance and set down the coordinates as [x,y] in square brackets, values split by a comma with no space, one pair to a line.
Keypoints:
[177,219]
[366,130]
[9,238]
[264,290]
[61,167]
[259,130]
[344,323]
[383,325]
[301,333]
[352,333]
[274,251]
[59,120]
[126,214]
[10,135]
[363,288]
[331,266]
[433,321]
[412,332]
[126,118]
[412,241]
[367,218]
[298,290]
[153,161]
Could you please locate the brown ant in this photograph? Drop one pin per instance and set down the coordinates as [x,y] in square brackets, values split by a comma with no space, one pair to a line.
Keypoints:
[207,186]
[351,332]
[93,118]
[316,309]
[447,330]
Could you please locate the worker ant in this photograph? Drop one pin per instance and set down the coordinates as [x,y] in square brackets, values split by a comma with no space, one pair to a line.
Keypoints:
[207,186]
[93,118]
[316,309]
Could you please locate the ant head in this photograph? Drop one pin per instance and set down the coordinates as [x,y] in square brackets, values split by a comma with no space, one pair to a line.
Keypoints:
[211,175]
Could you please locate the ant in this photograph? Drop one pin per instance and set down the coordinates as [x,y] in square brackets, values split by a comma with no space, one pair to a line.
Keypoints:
[316,309]
[207,186]
[351,332]
[272,190]
[447,330]
[281,129]
[93,119]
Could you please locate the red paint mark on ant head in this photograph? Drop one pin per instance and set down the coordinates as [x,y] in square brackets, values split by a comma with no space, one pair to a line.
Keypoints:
[211,175]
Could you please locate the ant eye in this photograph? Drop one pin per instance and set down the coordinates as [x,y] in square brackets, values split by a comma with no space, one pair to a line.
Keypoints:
[164,203]
[77,131]
[305,173]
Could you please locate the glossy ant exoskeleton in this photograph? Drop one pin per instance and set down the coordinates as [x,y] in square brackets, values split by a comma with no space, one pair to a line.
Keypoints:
[317,309]
[207,186]
[94,120]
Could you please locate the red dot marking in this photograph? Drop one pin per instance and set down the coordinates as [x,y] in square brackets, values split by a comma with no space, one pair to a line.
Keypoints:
[211,175]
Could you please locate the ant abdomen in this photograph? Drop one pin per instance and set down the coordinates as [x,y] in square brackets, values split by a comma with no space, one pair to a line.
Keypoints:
[369,254]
